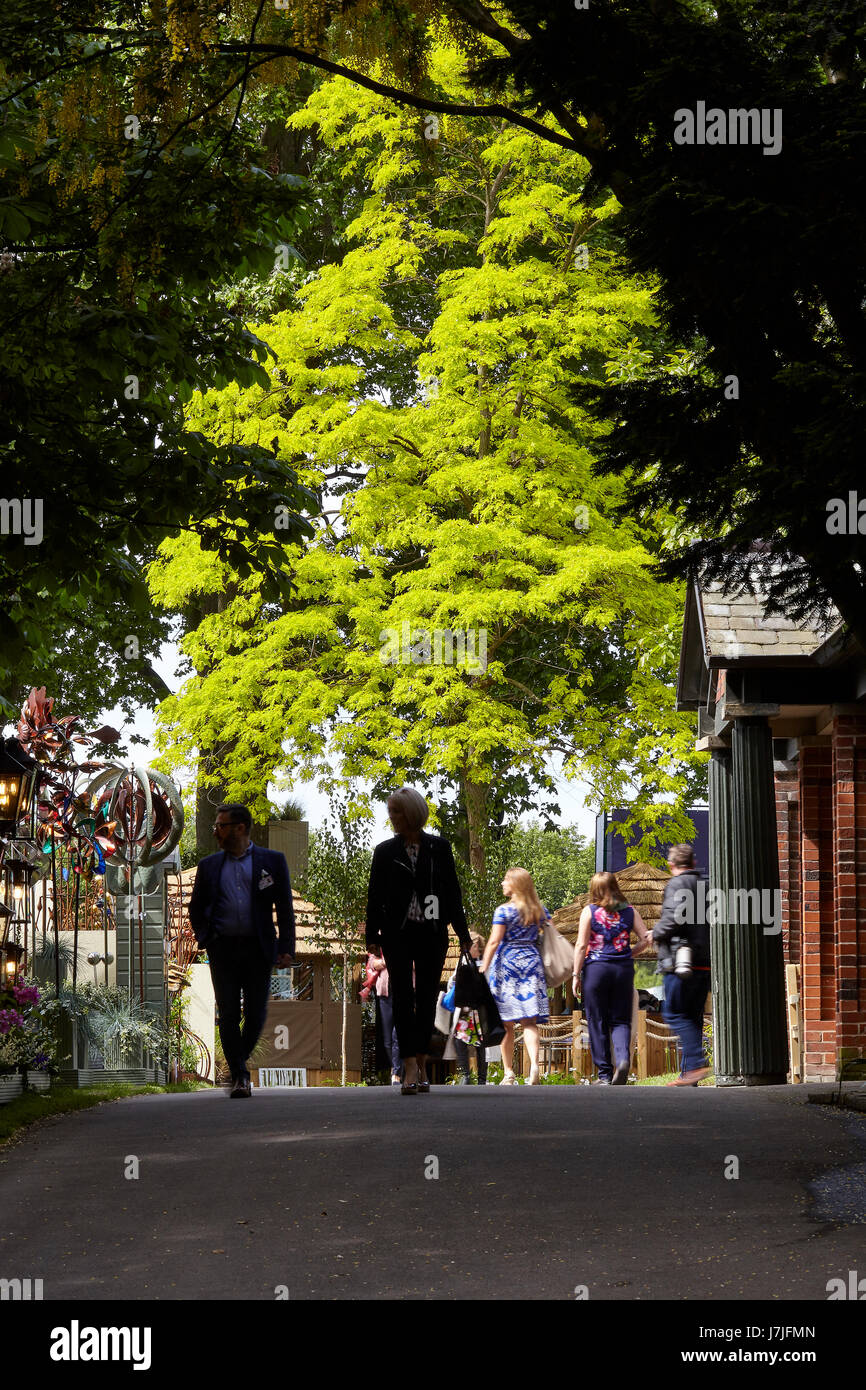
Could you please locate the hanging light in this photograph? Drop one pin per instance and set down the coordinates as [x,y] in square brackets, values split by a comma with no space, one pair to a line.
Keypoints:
[19,774]
[8,953]
[19,872]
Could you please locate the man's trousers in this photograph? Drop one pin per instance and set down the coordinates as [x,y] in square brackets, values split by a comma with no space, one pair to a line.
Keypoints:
[238,966]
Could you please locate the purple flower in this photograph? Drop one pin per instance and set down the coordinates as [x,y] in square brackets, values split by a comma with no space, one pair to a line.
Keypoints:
[26,994]
[10,1018]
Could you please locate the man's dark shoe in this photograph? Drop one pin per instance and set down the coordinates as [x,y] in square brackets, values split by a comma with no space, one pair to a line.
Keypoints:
[242,1089]
[620,1076]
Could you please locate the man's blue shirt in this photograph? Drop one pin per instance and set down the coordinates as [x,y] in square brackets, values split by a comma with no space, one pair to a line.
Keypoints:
[233,909]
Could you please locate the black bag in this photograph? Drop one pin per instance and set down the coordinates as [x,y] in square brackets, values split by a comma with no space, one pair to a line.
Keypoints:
[490,1025]
[471,991]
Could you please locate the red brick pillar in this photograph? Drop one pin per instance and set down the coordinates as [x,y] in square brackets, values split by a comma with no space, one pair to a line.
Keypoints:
[788,832]
[817,942]
[849,815]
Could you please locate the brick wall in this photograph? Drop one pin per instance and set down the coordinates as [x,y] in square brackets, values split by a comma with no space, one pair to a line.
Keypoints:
[817,926]
[849,815]
[788,830]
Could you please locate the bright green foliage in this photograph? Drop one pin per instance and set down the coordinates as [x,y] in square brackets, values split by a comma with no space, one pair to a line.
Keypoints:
[471,508]
[561,861]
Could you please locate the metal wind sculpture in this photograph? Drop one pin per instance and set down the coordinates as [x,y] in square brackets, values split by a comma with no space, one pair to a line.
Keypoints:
[146,814]
[133,814]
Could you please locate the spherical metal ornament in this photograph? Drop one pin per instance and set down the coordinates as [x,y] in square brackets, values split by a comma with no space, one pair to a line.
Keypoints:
[145,808]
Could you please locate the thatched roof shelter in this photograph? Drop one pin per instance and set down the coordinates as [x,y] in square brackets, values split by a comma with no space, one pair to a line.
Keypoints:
[643,886]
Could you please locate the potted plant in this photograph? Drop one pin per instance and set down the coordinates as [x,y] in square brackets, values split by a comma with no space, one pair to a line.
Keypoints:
[14,1046]
[26,1043]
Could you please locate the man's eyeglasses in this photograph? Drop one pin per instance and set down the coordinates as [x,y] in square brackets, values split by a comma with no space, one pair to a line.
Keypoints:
[224,824]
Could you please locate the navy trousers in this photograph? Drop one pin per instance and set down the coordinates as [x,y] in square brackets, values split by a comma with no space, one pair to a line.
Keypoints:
[389,1032]
[685,996]
[608,993]
[238,967]
[462,1050]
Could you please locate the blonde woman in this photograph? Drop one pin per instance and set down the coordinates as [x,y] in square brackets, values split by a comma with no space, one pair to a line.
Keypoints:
[512,964]
[413,896]
[604,955]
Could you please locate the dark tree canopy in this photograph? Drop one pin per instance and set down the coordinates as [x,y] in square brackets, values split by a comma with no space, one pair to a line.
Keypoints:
[130,190]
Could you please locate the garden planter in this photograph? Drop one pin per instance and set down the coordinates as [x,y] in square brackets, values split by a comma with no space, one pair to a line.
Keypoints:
[38,1080]
[11,1086]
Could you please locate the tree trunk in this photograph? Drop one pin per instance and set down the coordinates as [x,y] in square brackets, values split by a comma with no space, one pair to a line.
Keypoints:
[345,1014]
[206,798]
[210,757]
[475,795]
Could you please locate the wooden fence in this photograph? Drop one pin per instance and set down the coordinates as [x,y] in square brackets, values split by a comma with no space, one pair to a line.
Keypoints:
[564,1047]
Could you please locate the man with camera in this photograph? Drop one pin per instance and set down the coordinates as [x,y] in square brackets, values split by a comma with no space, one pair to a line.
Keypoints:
[682,938]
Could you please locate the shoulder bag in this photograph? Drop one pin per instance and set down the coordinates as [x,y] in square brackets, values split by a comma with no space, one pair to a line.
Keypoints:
[557,956]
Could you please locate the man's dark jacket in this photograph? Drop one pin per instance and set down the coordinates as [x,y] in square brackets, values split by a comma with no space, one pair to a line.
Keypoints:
[392,883]
[682,921]
[267,863]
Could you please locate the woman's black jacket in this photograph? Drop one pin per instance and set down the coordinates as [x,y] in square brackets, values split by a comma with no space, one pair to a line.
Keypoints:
[392,883]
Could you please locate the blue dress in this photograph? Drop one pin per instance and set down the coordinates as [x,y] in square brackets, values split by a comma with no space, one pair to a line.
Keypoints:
[515,974]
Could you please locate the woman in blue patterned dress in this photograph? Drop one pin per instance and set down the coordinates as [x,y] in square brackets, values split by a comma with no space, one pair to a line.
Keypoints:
[515,974]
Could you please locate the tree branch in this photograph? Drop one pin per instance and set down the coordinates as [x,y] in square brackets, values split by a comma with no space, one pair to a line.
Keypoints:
[409,98]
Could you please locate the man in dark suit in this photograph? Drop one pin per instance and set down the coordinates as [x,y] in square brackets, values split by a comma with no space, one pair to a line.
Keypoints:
[232,914]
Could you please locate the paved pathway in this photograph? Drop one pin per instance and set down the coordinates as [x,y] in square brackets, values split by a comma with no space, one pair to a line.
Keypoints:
[538,1192]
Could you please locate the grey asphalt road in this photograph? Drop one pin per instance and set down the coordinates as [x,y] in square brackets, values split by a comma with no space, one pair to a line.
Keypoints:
[541,1193]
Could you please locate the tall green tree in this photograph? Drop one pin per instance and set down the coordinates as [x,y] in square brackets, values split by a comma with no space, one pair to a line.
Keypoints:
[470,509]
[758,256]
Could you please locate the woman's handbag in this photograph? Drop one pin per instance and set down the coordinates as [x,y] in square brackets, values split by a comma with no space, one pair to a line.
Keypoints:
[490,1025]
[469,984]
[471,991]
[557,956]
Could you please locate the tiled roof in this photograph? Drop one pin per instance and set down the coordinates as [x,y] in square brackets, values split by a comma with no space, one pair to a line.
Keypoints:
[735,628]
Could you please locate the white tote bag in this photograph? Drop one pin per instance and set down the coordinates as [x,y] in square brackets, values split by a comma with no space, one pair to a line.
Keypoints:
[557,956]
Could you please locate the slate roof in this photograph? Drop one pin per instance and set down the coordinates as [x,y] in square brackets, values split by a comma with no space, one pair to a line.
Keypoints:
[728,630]
[735,628]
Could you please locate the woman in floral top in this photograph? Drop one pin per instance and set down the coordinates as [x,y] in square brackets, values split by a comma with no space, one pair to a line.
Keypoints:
[605,956]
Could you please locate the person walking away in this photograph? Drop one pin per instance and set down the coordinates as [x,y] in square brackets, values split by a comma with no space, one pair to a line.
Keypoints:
[682,923]
[604,956]
[386,1015]
[413,895]
[231,911]
[513,966]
